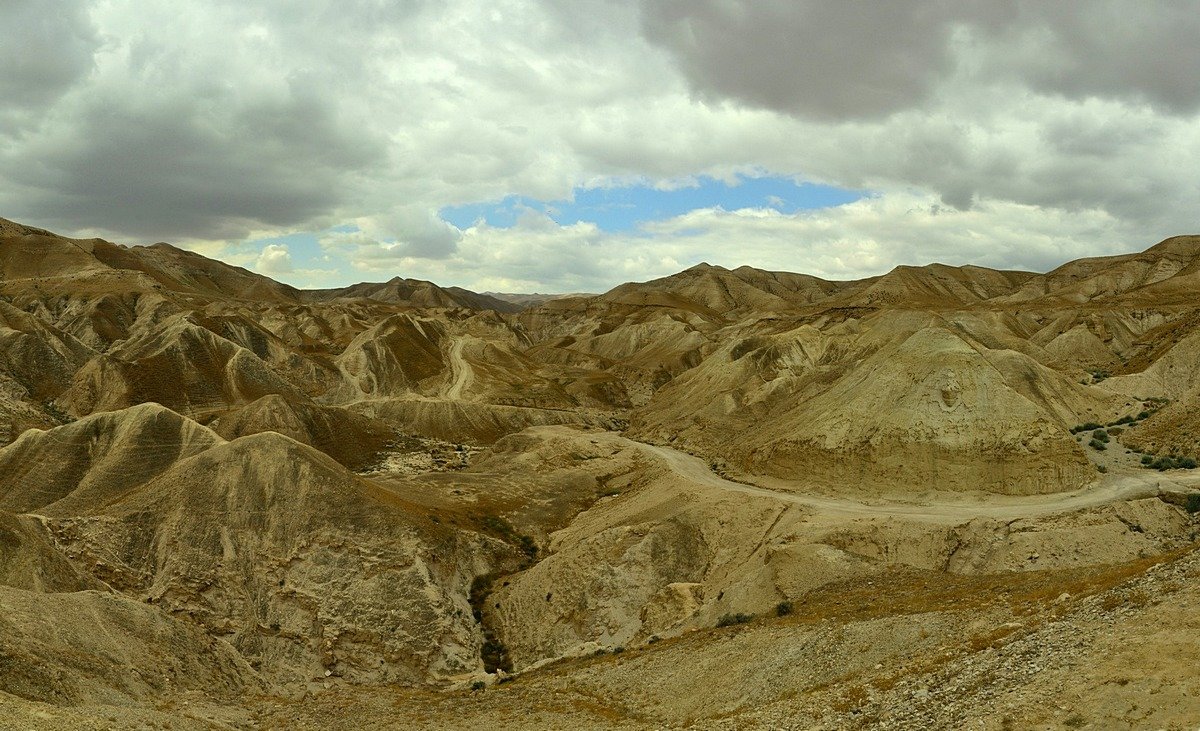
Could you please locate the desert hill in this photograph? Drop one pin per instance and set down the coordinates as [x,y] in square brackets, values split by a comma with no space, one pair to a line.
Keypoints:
[1164,274]
[350,438]
[220,494]
[35,257]
[415,293]
[86,464]
[528,300]
[934,285]
[716,291]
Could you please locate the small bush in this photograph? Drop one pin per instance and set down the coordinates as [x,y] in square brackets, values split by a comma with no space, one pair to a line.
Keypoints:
[478,685]
[56,412]
[528,545]
[1102,469]
[1097,445]
[1101,435]
[1091,425]
[1147,459]
[1162,464]
[728,620]
[1193,504]
[1186,463]
[784,608]
[1143,416]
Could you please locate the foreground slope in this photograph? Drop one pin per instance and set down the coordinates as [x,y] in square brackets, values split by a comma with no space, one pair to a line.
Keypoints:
[300,565]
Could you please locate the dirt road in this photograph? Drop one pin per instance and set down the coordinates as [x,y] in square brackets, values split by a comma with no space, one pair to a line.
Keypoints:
[461,369]
[952,508]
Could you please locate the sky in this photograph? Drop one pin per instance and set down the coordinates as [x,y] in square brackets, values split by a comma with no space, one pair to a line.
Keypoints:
[570,145]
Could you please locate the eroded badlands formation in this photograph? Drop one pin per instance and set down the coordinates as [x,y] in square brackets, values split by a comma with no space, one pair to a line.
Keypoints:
[723,499]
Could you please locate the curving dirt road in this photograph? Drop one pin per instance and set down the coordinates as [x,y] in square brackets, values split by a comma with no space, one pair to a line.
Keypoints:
[461,369]
[1112,488]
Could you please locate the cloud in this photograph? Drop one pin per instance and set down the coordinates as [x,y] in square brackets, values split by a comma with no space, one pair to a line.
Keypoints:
[860,239]
[182,132]
[1118,49]
[873,235]
[827,60]
[47,49]
[837,61]
[414,231]
[274,259]
[216,124]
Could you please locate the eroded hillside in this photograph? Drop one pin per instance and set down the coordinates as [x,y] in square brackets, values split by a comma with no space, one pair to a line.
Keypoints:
[722,499]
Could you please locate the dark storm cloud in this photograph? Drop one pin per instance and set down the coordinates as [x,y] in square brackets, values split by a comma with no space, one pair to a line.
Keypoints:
[1136,50]
[47,48]
[847,60]
[175,120]
[828,60]
[206,166]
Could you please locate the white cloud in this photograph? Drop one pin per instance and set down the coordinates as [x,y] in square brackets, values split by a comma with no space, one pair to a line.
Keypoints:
[860,239]
[274,259]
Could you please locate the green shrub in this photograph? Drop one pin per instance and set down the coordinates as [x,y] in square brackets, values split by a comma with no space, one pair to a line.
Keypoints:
[1193,503]
[1162,464]
[1186,463]
[478,685]
[505,530]
[528,545]
[1100,434]
[1086,427]
[1147,459]
[783,609]
[1102,469]
[728,620]
[56,412]
[1097,445]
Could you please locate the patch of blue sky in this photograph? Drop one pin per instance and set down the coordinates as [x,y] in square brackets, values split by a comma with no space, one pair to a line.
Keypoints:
[624,208]
[304,248]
